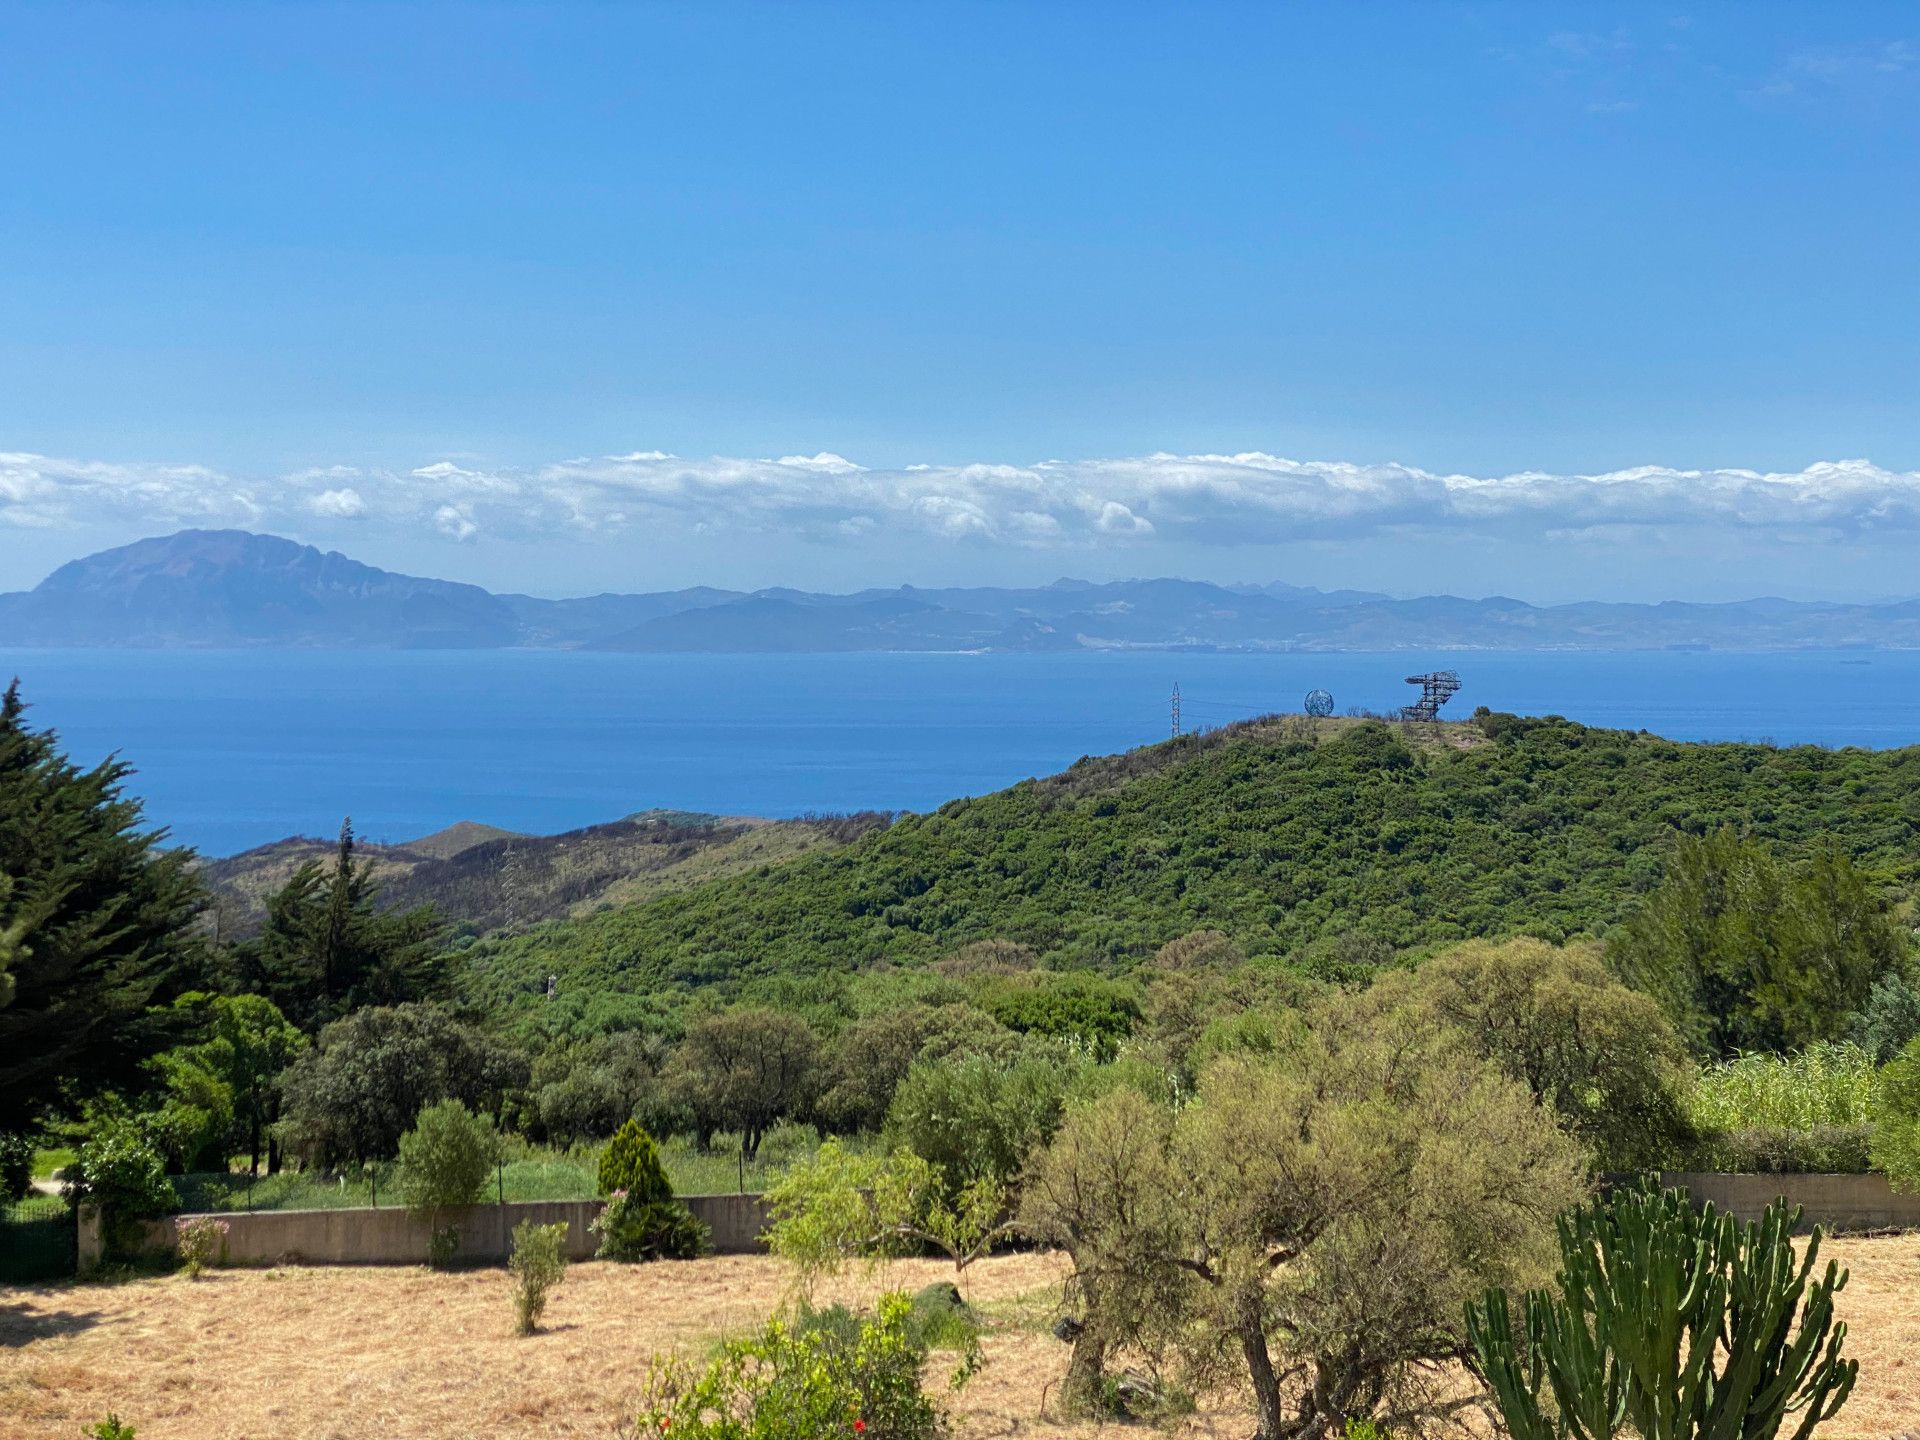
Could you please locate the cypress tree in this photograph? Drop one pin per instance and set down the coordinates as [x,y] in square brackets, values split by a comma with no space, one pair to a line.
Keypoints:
[97,926]
[327,948]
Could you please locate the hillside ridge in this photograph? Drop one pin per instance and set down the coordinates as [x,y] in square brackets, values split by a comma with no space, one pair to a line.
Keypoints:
[1287,834]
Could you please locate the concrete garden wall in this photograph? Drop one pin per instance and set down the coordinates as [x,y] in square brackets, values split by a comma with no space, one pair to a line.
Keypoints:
[1834,1202]
[389,1236]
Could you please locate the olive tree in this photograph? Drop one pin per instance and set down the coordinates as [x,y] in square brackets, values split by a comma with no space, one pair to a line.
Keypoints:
[974,1117]
[841,1205]
[744,1070]
[1313,1223]
[1601,1055]
[367,1077]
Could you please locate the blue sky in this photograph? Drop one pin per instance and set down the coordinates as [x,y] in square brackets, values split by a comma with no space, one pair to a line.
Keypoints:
[541,297]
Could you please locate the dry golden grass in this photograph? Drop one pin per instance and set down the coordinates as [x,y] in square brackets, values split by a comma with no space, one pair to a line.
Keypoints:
[393,1354]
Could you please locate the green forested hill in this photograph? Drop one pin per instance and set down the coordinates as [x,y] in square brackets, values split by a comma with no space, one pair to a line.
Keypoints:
[1281,833]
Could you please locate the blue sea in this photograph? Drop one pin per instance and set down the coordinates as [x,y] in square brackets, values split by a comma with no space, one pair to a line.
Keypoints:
[236,748]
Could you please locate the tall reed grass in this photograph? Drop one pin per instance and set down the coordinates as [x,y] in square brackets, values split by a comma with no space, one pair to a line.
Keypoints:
[1824,1085]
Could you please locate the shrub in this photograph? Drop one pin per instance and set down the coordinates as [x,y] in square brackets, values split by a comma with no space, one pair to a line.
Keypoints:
[1745,954]
[202,1242]
[16,1166]
[1821,1150]
[842,1205]
[633,1230]
[802,1382]
[1098,1012]
[1603,1057]
[1896,1141]
[119,1170]
[1322,1217]
[937,1319]
[539,1260]
[977,1118]
[1807,1113]
[443,1246]
[631,1162]
[1889,1019]
[444,1161]
[111,1428]
[1684,1323]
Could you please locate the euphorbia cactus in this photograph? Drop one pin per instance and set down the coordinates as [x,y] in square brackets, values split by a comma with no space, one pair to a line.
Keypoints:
[1670,1323]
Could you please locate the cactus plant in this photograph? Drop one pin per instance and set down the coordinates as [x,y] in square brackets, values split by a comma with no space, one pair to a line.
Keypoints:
[1670,1323]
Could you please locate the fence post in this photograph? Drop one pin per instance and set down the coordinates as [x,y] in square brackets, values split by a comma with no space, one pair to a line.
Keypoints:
[90,1240]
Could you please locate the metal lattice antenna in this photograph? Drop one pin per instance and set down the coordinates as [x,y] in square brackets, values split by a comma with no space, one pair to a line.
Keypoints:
[1176,709]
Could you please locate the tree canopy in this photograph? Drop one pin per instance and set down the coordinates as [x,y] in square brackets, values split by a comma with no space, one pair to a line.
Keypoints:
[96,927]
[1600,1055]
[1317,1221]
[369,1074]
[1746,953]
[327,948]
[1338,844]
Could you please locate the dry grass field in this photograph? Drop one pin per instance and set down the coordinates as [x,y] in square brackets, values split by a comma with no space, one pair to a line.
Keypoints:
[391,1354]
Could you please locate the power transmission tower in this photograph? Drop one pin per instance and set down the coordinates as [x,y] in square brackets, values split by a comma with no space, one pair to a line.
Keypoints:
[1176,709]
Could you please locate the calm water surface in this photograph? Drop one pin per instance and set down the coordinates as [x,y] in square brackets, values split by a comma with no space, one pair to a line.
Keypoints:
[235,748]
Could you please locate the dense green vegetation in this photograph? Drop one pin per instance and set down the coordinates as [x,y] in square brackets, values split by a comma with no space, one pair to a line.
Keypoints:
[952,986]
[1319,842]
[96,927]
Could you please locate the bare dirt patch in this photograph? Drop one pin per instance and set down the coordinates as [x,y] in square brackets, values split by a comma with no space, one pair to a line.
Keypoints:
[375,1354]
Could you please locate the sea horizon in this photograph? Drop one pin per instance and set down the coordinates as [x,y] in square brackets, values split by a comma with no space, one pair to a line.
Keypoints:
[238,748]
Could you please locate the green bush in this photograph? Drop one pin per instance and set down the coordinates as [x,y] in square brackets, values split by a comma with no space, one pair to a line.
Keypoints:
[111,1428]
[443,1247]
[16,1166]
[802,1382]
[976,1118]
[1765,1150]
[631,1163]
[202,1243]
[843,1205]
[1896,1142]
[119,1170]
[538,1262]
[444,1162]
[1889,1019]
[1806,1113]
[937,1319]
[634,1230]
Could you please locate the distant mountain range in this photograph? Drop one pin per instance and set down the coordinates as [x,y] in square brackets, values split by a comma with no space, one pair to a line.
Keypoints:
[233,588]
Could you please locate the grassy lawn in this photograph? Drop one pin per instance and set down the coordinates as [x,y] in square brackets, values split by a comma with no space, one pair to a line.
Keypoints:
[531,1173]
[540,1177]
[46,1163]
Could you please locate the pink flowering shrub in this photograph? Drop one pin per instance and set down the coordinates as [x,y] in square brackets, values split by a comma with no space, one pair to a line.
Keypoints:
[202,1242]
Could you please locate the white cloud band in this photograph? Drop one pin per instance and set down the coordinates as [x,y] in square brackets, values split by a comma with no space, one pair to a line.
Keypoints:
[1223,500]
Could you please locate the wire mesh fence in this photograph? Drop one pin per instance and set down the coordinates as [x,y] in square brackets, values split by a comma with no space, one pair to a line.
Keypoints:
[37,1240]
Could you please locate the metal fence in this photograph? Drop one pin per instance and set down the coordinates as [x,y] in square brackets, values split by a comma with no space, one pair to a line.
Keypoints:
[37,1240]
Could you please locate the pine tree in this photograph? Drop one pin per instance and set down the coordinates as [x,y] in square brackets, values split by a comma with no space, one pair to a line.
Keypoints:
[97,927]
[327,948]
